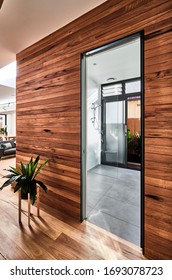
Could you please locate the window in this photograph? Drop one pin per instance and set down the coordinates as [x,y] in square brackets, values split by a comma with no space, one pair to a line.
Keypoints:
[112,90]
[132,87]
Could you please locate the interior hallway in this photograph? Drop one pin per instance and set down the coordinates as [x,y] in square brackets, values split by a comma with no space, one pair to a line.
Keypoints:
[113,201]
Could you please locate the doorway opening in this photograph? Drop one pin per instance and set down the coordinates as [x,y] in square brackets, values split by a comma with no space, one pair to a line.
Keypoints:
[8,102]
[112,95]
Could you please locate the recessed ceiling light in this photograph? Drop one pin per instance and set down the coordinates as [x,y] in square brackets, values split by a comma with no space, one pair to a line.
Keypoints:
[111,79]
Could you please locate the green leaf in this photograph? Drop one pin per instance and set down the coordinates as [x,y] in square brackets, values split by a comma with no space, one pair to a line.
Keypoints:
[23,168]
[32,199]
[8,176]
[36,160]
[31,160]
[13,170]
[41,166]
[26,166]
[20,183]
[7,183]
[17,187]
[33,192]
[42,185]
[35,163]
[11,180]
[29,169]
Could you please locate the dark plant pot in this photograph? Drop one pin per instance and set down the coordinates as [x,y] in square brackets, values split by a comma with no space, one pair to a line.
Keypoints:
[24,195]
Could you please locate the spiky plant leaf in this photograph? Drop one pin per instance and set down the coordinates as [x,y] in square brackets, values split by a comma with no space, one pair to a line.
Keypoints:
[29,169]
[33,192]
[13,170]
[42,185]
[8,175]
[20,183]
[11,180]
[31,160]
[35,164]
[7,183]
[17,187]
[41,166]
[22,168]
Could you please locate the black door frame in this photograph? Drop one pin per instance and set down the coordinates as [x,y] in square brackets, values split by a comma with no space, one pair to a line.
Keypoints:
[83,122]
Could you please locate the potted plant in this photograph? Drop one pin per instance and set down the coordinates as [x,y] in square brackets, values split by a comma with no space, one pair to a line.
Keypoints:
[134,147]
[3,130]
[25,178]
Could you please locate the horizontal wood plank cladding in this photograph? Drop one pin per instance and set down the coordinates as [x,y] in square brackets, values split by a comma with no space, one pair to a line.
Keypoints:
[158,145]
[48,107]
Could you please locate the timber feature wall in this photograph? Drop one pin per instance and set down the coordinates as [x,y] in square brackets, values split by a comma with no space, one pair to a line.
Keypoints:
[48,107]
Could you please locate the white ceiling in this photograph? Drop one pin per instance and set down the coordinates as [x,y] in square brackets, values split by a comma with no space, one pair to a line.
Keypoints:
[7,94]
[24,22]
[120,62]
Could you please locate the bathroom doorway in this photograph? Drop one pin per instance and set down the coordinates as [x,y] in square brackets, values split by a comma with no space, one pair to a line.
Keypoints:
[112,138]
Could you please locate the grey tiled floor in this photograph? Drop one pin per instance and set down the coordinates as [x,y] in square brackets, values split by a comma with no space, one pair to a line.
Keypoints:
[113,201]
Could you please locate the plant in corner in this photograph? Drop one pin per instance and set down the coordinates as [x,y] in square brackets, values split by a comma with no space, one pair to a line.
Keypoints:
[25,178]
[3,130]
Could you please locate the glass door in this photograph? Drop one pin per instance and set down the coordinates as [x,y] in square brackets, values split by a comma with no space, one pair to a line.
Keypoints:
[114,132]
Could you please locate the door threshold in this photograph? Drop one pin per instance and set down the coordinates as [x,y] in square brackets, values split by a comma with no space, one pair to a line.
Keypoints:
[134,165]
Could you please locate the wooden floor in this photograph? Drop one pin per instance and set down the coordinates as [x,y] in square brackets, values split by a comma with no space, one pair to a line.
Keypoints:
[54,235]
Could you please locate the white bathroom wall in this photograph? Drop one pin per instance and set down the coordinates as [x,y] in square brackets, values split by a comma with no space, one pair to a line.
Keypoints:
[93,127]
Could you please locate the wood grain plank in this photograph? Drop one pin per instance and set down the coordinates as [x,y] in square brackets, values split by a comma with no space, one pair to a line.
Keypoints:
[48,103]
